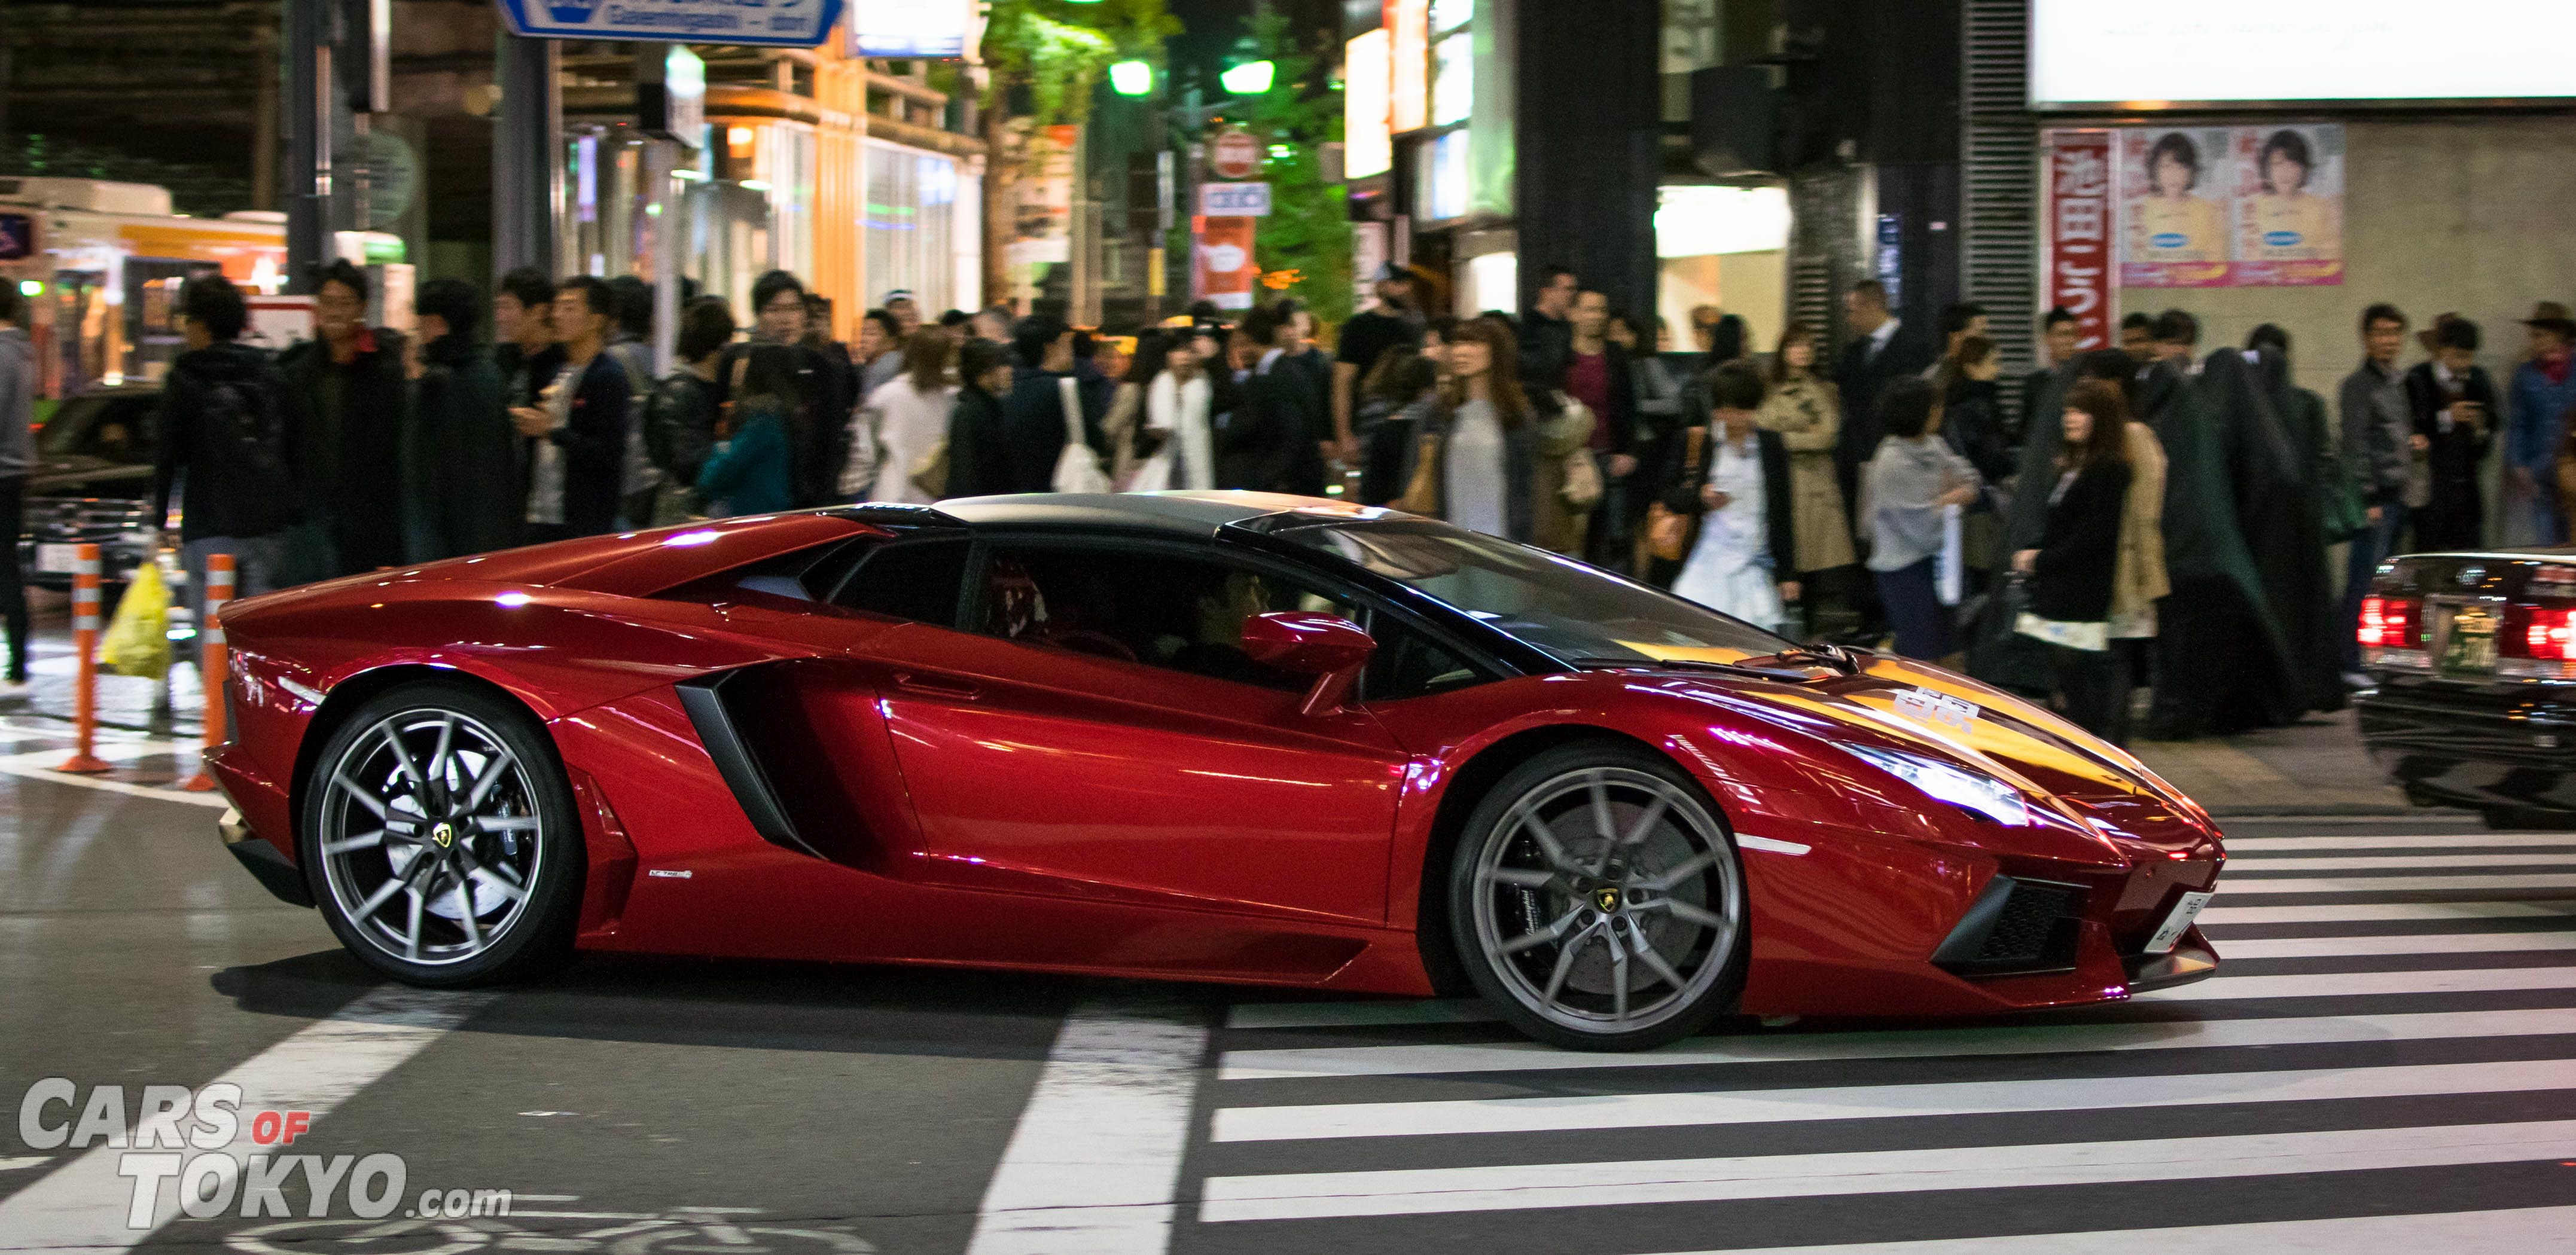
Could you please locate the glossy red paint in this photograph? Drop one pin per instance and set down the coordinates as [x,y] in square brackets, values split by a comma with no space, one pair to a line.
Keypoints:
[979,801]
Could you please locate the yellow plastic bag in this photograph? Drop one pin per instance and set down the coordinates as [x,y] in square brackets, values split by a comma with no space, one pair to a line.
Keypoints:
[138,638]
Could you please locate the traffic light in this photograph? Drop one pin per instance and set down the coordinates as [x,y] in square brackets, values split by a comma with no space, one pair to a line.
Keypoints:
[1132,78]
[1248,78]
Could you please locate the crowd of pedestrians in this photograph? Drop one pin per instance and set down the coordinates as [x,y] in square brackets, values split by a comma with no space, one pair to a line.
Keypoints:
[2147,515]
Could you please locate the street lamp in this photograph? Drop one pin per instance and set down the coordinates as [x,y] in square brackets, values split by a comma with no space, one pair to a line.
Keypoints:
[1132,78]
[1250,78]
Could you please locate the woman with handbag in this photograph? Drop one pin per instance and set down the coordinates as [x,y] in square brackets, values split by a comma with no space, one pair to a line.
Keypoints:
[1806,410]
[1741,509]
[2072,572]
[1179,404]
[902,420]
[1475,458]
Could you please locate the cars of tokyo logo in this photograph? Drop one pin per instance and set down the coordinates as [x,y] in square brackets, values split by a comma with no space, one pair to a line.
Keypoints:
[219,1159]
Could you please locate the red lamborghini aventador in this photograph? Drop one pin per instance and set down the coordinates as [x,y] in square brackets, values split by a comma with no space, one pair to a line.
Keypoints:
[1200,736]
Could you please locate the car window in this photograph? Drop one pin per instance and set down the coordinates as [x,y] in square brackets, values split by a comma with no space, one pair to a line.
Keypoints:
[1410,664]
[918,580]
[117,429]
[1145,606]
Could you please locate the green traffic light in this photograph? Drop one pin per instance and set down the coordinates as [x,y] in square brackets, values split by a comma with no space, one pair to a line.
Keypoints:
[1132,78]
[1248,79]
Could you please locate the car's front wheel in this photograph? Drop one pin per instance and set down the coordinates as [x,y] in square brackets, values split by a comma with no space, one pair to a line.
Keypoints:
[1597,901]
[441,839]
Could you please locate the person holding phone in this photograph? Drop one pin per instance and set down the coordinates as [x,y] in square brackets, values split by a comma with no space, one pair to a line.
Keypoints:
[2454,406]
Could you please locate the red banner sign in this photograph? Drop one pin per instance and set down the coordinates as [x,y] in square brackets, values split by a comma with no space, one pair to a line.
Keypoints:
[2078,214]
[1221,263]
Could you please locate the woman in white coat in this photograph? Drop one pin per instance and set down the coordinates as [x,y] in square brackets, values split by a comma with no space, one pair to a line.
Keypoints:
[1177,406]
[903,420]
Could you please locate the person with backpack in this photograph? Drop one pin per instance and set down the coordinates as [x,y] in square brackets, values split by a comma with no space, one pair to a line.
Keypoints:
[223,421]
[680,419]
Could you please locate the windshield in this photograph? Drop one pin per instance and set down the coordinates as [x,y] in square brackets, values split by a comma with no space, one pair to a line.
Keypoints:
[1575,612]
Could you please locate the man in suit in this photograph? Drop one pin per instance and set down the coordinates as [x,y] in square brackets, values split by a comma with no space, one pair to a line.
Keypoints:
[1272,440]
[1879,354]
[2455,411]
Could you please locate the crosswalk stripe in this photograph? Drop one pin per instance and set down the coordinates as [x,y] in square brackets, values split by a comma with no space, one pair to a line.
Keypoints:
[1447,1117]
[2362,984]
[2269,866]
[1094,1165]
[2373,912]
[2508,1231]
[1511,1187]
[1418,1060]
[2403,943]
[84,1203]
[2238,848]
[2241,886]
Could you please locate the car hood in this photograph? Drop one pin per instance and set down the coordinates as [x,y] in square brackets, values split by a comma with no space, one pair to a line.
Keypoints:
[1947,716]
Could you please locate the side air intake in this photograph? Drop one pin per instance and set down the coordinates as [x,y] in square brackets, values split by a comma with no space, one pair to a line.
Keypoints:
[2015,928]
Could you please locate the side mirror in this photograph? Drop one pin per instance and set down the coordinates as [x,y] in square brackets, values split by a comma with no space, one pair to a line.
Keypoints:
[1328,647]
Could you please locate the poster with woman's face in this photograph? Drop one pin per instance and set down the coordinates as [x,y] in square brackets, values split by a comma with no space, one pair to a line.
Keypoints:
[2176,203]
[2289,205]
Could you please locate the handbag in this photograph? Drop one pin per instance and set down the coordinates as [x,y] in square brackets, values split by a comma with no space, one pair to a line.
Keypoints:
[1582,488]
[1422,495]
[930,471]
[1668,529]
[1077,468]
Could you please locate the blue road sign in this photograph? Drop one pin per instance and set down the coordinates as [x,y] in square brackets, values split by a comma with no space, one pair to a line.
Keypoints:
[785,23]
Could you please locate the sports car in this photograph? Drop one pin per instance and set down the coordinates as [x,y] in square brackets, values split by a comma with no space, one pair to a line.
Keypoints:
[1197,736]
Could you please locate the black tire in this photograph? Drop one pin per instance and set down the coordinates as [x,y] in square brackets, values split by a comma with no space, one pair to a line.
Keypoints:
[1630,829]
[485,875]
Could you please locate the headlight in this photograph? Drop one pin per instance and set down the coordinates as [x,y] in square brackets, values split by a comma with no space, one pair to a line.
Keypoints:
[1981,794]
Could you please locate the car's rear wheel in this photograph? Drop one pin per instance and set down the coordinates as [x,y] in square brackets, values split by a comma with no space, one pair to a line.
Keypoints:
[441,839]
[1597,901]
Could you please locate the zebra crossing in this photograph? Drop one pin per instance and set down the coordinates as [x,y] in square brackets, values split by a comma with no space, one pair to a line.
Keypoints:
[2387,1058]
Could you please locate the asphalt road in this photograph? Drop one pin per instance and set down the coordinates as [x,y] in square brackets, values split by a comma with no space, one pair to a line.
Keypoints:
[2388,1063]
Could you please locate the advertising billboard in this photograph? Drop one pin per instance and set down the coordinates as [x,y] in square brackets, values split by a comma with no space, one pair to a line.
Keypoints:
[2091,54]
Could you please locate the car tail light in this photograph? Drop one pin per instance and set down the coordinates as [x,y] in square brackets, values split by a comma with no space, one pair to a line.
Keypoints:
[2547,633]
[2389,622]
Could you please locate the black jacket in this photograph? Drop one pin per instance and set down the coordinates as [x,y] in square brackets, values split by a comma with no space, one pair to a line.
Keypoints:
[593,440]
[1270,440]
[2080,547]
[1546,345]
[2456,453]
[1862,376]
[351,462]
[1683,476]
[825,388]
[680,425]
[1972,423]
[979,457]
[464,453]
[215,504]
[1032,426]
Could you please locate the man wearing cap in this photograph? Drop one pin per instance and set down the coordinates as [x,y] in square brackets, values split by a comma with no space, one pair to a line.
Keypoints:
[1366,337]
[2540,402]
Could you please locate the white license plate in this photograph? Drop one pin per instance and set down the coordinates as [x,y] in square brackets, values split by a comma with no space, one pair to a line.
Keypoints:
[2183,914]
[57,559]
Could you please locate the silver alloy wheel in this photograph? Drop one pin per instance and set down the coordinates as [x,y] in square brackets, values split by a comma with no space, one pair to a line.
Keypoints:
[1608,900]
[430,836]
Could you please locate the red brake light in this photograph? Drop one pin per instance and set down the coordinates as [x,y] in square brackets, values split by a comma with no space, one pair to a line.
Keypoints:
[2544,632]
[2388,623]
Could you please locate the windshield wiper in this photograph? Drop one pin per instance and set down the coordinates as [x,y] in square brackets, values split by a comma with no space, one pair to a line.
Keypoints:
[1692,664]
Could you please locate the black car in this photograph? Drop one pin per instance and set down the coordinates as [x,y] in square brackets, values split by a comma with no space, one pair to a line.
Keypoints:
[2473,658]
[92,484]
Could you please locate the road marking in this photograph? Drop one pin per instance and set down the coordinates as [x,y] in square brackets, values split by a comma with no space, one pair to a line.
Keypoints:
[2037,1038]
[2363,984]
[1513,1187]
[82,1205]
[2517,1231]
[2268,865]
[1447,1117]
[1253,1015]
[2239,887]
[2240,848]
[39,765]
[1094,1166]
[2404,943]
[2371,912]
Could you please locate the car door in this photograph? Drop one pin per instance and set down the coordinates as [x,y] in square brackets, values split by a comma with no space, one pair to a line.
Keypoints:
[1094,731]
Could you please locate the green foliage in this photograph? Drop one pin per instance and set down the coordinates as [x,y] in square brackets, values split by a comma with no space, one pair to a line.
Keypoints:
[1308,230]
[1060,50]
